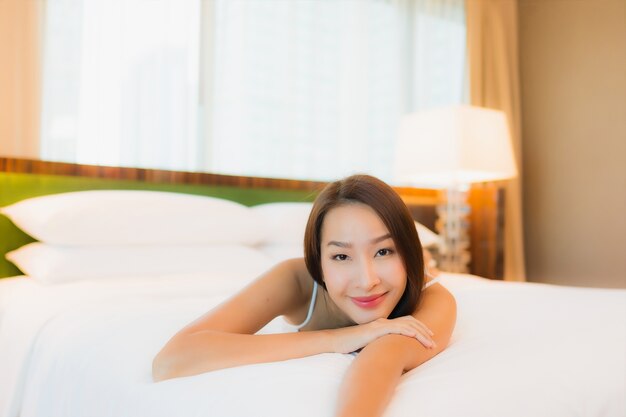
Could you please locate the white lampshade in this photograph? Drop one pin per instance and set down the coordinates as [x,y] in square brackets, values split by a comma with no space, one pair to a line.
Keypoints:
[453,146]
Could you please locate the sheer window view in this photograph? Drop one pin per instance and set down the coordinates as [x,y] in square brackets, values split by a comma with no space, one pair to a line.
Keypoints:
[299,89]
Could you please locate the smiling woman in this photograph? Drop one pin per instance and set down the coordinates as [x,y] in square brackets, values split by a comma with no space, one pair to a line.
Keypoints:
[362,248]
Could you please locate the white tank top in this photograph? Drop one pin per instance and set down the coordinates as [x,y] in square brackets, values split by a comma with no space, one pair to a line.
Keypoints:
[294,328]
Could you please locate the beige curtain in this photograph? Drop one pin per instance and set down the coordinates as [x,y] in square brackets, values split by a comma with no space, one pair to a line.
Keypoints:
[20,77]
[494,83]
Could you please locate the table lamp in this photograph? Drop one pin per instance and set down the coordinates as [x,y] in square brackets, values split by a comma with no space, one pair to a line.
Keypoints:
[450,148]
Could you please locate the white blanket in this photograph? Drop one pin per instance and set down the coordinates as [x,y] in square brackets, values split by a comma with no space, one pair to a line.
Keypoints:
[85,349]
[27,306]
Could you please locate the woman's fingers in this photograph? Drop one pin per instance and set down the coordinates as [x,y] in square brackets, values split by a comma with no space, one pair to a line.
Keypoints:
[417,332]
[411,327]
[423,331]
[427,342]
[423,327]
[421,336]
[418,323]
[425,339]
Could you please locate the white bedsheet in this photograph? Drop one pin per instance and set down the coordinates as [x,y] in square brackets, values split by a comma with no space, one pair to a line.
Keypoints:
[27,306]
[518,350]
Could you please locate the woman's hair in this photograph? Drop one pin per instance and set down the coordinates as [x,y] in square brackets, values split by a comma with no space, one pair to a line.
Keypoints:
[374,193]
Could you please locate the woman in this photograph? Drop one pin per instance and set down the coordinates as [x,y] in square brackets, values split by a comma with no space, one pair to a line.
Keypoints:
[363,254]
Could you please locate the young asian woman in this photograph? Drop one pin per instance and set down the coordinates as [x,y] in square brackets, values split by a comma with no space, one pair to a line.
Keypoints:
[360,287]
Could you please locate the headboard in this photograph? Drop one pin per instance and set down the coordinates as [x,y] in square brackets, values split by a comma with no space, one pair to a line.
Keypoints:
[23,178]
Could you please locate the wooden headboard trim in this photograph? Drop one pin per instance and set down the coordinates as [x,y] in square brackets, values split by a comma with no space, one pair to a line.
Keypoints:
[31,166]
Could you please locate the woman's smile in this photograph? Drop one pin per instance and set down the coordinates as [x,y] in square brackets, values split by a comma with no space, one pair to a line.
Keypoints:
[368,302]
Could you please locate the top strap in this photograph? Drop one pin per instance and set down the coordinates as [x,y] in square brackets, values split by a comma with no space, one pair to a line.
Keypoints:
[311,306]
[433,280]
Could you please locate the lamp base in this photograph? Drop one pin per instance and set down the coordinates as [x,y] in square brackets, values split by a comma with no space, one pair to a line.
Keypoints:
[453,227]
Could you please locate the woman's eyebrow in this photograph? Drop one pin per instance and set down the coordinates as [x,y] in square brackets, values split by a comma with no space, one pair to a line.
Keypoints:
[349,245]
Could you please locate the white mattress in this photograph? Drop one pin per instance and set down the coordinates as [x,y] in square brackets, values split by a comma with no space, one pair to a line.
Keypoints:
[519,349]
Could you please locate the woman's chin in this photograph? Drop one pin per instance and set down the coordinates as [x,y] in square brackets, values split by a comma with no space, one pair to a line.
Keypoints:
[368,317]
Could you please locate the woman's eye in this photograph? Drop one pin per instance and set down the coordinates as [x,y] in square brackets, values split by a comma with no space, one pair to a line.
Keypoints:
[340,257]
[384,252]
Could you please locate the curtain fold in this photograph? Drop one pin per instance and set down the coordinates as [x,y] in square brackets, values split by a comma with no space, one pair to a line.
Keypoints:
[20,77]
[492,47]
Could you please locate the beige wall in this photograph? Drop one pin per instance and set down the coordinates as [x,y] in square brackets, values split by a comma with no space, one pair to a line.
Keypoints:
[20,77]
[573,76]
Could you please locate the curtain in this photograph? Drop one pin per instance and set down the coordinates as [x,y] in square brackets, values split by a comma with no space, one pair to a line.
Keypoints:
[494,82]
[20,48]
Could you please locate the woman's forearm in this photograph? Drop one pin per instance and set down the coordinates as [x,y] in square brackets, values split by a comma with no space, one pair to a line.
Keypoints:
[206,351]
[372,378]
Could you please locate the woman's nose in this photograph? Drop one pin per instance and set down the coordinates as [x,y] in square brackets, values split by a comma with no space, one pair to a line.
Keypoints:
[368,276]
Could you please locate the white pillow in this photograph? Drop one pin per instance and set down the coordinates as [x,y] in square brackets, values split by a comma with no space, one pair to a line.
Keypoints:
[122,217]
[282,251]
[285,224]
[428,238]
[55,264]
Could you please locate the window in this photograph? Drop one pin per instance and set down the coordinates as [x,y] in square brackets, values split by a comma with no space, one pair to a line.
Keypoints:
[304,89]
[121,82]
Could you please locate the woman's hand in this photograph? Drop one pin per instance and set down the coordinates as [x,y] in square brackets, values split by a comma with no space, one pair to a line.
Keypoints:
[349,339]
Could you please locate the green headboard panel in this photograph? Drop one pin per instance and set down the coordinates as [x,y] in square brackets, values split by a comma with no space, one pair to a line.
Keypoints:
[15,187]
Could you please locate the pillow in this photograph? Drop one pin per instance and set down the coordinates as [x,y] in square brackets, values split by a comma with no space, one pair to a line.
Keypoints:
[123,217]
[282,251]
[285,224]
[428,238]
[56,264]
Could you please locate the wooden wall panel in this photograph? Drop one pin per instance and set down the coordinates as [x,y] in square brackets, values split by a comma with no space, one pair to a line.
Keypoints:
[487,230]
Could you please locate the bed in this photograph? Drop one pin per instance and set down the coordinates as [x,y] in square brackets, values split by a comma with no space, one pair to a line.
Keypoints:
[96,298]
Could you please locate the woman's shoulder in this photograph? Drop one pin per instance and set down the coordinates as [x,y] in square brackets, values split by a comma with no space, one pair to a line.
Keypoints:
[302,276]
[304,284]
[296,268]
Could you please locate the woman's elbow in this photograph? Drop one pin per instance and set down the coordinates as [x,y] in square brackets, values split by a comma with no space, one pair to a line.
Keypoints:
[167,363]
[184,355]
[163,366]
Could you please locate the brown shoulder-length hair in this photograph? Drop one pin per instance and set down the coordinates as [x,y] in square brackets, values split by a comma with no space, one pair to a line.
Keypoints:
[376,194]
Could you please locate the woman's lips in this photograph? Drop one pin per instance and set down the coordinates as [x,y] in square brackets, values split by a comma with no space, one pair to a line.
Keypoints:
[369,301]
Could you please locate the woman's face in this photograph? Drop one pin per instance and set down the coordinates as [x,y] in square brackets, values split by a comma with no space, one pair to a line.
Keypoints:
[363,272]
